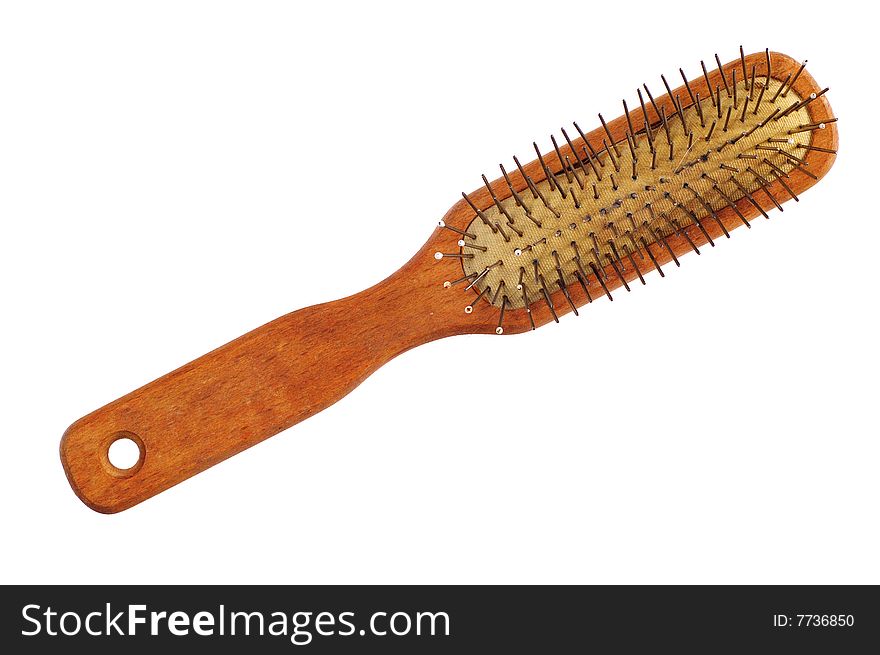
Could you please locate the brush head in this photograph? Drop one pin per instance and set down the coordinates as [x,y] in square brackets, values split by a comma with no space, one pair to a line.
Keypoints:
[595,212]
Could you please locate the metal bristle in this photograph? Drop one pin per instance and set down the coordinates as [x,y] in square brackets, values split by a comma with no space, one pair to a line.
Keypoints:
[596,212]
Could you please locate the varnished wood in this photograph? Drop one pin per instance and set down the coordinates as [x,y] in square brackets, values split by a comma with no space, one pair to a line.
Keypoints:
[299,364]
[257,385]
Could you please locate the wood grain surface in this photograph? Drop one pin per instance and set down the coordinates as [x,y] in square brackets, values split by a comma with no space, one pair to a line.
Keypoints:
[299,364]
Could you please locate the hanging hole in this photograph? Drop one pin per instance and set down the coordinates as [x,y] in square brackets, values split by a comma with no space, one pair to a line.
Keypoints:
[124,455]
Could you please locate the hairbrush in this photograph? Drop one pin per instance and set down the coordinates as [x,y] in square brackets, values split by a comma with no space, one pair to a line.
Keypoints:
[593,213]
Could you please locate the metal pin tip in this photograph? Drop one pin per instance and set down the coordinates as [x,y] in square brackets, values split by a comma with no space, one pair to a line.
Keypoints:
[438,255]
[447,284]
[499,330]
[441,223]
[468,309]
[461,242]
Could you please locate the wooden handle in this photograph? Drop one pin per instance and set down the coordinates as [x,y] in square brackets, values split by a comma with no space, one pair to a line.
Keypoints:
[252,388]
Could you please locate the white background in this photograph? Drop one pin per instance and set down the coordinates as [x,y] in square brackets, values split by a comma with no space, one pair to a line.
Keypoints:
[169,173]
